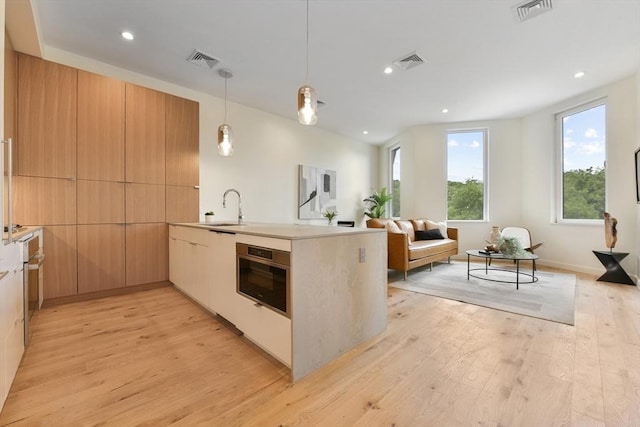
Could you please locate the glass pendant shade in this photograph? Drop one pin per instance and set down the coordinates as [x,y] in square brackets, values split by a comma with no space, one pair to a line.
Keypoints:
[307,106]
[225,140]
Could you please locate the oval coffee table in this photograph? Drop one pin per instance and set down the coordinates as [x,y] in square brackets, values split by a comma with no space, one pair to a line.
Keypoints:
[487,257]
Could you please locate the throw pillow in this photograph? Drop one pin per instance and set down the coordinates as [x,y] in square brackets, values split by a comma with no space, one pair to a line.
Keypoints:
[442,226]
[432,234]
[392,227]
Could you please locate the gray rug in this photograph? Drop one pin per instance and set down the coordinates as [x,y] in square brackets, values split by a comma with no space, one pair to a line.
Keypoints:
[550,298]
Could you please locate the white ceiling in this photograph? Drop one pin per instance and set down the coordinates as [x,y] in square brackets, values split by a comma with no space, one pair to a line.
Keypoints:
[480,63]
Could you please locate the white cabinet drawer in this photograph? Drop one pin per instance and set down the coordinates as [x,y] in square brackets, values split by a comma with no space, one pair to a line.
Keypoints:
[190,234]
[270,330]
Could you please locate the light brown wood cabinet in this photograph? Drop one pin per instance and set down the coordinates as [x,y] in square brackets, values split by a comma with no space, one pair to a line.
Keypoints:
[47,118]
[182,203]
[183,139]
[106,221]
[100,202]
[101,253]
[145,203]
[61,267]
[147,258]
[145,135]
[44,201]
[100,127]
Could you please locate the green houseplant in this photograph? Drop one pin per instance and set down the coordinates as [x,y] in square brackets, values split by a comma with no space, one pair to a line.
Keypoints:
[377,201]
[330,214]
[208,217]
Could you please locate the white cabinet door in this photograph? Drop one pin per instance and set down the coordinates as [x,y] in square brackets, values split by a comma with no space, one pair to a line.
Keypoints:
[4,332]
[189,262]
[11,316]
[265,327]
[222,275]
[14,341]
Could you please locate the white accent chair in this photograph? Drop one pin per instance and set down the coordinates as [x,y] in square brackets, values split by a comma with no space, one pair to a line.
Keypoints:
[524,236]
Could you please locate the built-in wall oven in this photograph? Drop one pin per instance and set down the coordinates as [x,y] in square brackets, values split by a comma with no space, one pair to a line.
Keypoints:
[32,257]
[263,275]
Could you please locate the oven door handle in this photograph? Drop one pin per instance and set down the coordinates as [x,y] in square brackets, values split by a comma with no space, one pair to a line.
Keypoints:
[36,266]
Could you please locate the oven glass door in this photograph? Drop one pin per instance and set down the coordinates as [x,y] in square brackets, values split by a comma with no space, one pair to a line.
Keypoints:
[264,282]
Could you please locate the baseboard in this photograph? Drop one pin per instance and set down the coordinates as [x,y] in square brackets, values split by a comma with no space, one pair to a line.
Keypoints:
[52,302]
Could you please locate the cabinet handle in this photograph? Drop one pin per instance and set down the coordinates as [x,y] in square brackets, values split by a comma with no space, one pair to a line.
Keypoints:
[257,304]
[197,187]
[193,244]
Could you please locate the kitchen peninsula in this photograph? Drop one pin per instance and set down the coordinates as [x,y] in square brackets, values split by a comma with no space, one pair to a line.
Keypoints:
[336,281]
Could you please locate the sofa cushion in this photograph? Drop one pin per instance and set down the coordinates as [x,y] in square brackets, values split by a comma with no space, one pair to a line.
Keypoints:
[433,234]
[425,248]
[392,227]
[442,226]
[407,227]
[419,224]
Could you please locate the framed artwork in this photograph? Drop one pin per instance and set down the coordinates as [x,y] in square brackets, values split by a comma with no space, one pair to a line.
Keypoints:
[637,157]
[316,191]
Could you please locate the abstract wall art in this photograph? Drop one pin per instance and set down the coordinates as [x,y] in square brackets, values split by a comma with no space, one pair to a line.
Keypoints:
[316,191]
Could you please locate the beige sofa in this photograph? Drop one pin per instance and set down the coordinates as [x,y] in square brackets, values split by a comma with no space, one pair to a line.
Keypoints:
[404,252]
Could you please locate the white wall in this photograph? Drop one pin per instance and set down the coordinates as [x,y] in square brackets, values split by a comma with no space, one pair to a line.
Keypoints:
[423,176]
[268,150]
[567,245]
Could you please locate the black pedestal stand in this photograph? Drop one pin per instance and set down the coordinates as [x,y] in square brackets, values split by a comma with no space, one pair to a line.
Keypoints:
[615,273]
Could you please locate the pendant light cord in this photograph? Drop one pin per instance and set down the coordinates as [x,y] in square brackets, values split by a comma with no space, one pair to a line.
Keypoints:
[306,80]
[225,99]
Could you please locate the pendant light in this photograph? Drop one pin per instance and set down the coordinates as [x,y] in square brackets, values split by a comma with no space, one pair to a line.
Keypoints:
[225,132]
[307,100]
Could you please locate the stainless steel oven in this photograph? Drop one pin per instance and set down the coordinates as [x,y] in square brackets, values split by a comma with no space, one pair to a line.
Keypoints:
[32,258]
[263,275]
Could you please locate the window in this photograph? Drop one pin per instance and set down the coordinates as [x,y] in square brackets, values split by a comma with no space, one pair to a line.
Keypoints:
[582,133]
[394,156]
[466,175]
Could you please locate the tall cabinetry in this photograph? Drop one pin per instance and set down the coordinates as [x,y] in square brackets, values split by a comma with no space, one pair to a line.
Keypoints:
[104,202]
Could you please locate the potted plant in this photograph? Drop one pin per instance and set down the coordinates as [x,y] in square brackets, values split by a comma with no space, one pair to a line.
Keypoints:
[330,214]
[378,200]
[208,217]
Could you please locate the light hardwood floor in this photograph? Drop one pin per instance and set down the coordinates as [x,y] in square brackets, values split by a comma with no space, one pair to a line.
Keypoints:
[154,358]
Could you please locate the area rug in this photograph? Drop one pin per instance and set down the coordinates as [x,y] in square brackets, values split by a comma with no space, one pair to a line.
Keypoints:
[550,298]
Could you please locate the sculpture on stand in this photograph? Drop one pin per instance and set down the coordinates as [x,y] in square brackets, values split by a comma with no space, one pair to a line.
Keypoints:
[610,231]
[611,260]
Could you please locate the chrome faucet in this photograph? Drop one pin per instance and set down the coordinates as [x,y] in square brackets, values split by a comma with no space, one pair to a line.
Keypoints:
[224,204]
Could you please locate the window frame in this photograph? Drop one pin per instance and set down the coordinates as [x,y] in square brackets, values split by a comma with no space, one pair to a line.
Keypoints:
[485,173]
[559,169]
[392,148]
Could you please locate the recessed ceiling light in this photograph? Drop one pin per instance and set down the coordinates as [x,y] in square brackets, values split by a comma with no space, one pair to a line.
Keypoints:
[388,70]
[579,74]
[365,132]
[445,110]
[127,35]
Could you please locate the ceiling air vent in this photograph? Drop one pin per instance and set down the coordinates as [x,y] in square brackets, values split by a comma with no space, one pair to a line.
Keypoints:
[532,8]
[201,59]
[409,61]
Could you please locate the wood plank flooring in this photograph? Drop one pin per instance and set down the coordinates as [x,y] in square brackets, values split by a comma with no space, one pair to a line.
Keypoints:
[154,358]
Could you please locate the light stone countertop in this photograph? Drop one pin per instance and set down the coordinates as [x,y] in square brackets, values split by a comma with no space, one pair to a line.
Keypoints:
[23,231]
[282,231]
